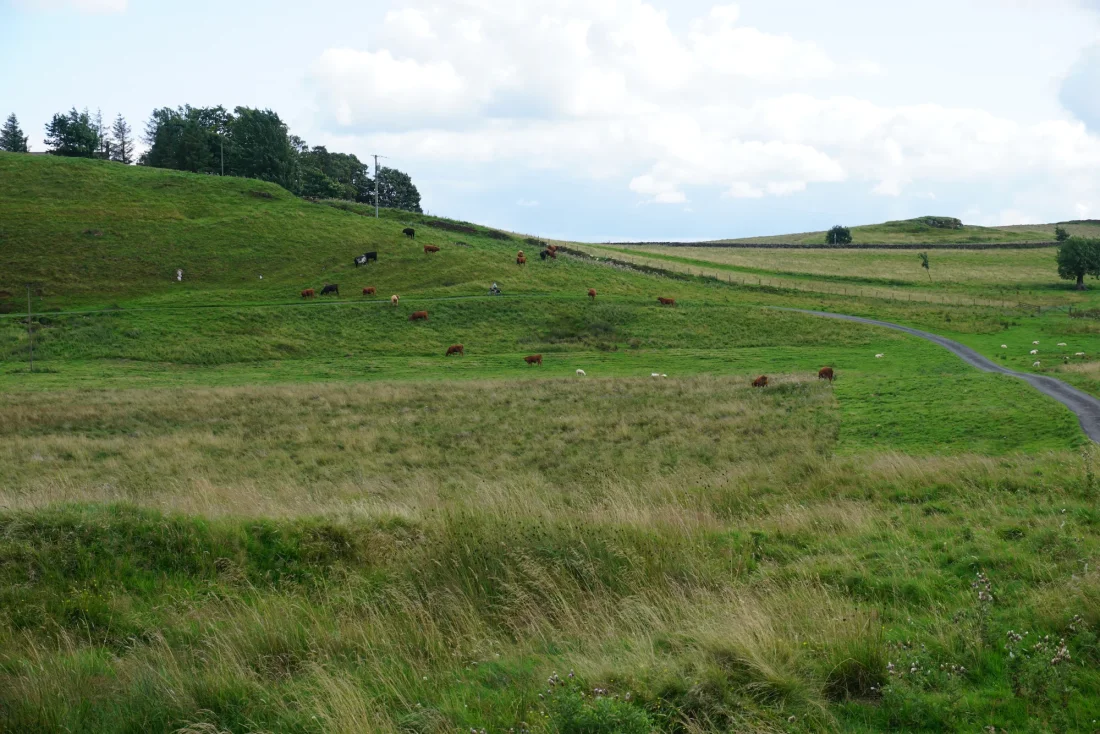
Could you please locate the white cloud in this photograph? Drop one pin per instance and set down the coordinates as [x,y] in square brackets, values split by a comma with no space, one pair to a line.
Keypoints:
[82,6]
[615,89]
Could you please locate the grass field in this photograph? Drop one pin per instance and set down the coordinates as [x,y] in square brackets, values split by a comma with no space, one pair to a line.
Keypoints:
[226,509]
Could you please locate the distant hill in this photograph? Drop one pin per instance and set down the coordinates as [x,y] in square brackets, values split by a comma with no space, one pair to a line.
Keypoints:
[933,230]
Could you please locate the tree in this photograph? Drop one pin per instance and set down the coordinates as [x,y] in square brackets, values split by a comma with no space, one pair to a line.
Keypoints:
[924,263]
[838,235]
[396,191]
[122,148]
[188,139]
[1078,257]
[104,150]
[1060,234]
[72,135]
[12,138]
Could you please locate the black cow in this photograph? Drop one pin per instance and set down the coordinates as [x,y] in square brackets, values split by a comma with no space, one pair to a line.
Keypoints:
[409,232]
[330,288]
[544,254]
[365,258]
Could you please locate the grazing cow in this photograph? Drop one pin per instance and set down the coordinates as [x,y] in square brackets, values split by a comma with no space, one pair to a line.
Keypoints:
[308,293]
[521,260]
[826,373]
[368,291]
[430,248]
[456,349]
[761,381]
[418,316]
[581,373]
[330,288]
[393,300]
[666,301]
[365,258]
[544,254]
[534,359]
[592,293]
[409,232]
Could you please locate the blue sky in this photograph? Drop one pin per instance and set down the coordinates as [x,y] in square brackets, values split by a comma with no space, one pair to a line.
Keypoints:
[621,119]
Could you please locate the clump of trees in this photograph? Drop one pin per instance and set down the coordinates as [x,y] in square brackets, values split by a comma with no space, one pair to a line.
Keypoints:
[246,142]
[838,235]
[12,138]
[1061,234]
[1078,257]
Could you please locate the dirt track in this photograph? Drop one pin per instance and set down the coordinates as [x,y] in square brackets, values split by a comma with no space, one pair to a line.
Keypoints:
[1083,405]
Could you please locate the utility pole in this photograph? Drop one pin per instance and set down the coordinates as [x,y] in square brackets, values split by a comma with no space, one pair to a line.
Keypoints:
[377,174]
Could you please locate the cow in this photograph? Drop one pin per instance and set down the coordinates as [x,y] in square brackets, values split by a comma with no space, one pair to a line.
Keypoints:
[365,258]
[409,232]
[430,248]
[308,293]
[393,300]
[534,359]
[330,288]
[456,349]
[666,301]
[544,254]
[761,381]
[418,316]
[552,249]
[521,260]
[368,291]
[826,373]
[592,293]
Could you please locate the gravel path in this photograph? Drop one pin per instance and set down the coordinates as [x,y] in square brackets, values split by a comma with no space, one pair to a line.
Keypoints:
[1083,405]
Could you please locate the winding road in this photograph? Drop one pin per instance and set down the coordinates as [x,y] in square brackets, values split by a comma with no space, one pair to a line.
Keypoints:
[1083,405]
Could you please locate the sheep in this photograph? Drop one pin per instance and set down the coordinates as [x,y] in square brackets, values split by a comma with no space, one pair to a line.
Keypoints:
[654,374]
[1035,364]
[1035,343]
[663,375]
[1079,354]
[580,373]
[1004,346]
[1034,351]
[879,356]
[1061,344]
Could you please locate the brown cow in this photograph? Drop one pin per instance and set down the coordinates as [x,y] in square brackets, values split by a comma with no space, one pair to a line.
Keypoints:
[666,301]
[430,248]
[534,359]
[592,293]
[368,291]
[826,373]
[418,316]
[394,299]
[456,349]
[308,293]
[552,248]
[521,260]
[761,381]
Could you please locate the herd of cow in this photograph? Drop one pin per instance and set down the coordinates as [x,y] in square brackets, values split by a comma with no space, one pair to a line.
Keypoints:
[551,252]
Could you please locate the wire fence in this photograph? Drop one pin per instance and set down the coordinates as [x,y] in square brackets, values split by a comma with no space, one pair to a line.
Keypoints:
[806,286]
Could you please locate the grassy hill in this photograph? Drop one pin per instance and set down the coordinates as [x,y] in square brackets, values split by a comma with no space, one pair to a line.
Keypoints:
[918,231]
[226,509]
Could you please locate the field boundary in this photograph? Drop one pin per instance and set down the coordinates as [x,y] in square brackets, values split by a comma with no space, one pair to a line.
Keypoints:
[860,246]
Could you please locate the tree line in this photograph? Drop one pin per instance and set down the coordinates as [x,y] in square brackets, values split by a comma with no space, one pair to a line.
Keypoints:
[245,142]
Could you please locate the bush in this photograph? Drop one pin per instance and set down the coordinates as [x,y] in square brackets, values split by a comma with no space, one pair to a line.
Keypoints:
[575,713]
[838,235]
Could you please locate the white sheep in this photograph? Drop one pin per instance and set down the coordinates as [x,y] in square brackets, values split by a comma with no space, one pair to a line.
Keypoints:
[1036,343]
[1004,346]
[663,375]
[1034,351]
[580,373]
[1035,364]
[654,374]
[1061,344]
[879,356]
[1079,354]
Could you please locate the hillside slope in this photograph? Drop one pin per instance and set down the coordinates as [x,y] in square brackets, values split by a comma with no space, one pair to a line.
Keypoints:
[915,231]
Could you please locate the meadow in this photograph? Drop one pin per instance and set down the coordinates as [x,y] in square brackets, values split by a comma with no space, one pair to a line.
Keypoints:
[227,509]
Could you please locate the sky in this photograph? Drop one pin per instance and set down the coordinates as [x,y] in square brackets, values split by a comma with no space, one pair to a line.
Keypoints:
[620,119]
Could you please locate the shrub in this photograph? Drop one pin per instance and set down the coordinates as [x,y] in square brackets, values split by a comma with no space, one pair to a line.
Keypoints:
[838,235]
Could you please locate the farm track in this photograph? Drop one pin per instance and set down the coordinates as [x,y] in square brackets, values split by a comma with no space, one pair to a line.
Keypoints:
[1083,405]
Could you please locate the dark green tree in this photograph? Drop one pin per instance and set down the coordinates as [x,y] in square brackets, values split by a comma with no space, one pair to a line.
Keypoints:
[1060,234]
[1078,257]
[261,148]
[12,138]
[838,235]
[188,139]
[343,170]
[72,135]
[396,191]
[122,141]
